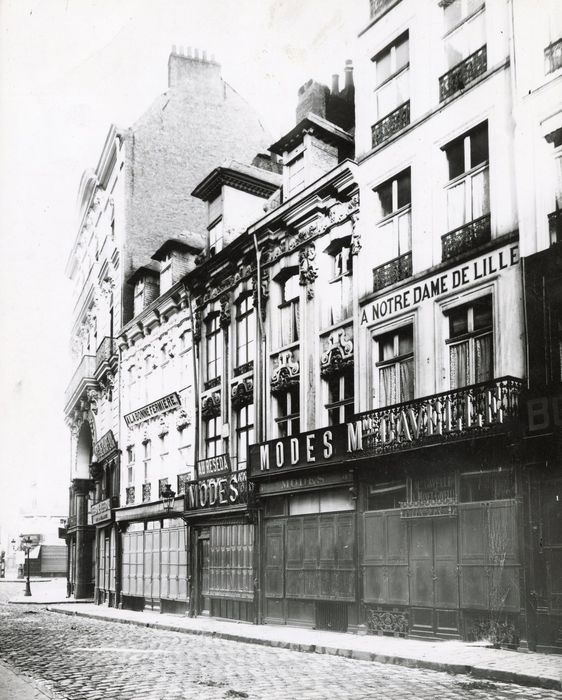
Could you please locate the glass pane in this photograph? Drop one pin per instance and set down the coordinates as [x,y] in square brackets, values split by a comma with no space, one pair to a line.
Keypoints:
[479,145]
[387,385]
[386,347]
[331,501]
[404,233]
[407,380]
[458,355]
[406,341]
[484,359]
[333,389]
[456,206]
[304,503]
[291,288]
[452,14]
[386,99]
[455,158]
[404,188]
[334,416]
[383,68]
[387,241]
[348,386]
[384,193]
[458,322]
[402,88]
[402,53]
[480,194]
[482,313]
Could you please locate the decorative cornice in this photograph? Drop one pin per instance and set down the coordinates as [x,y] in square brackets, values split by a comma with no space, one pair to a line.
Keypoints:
[286,373]
[339,356]
[211,406]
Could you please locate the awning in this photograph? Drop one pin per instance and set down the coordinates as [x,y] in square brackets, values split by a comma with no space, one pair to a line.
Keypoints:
[34,552]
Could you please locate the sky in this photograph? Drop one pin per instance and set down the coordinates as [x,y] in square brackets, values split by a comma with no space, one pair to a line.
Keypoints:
[68,69]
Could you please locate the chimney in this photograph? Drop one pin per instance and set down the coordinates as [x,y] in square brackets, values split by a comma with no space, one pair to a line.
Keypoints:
[186,66]
[349,86]
[335,84]
[312,97]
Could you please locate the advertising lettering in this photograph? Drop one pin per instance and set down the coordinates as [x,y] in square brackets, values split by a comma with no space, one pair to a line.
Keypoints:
[166,403]
[213,492]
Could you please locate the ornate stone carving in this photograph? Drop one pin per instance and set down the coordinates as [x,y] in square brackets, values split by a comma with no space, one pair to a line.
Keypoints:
[264,293]
[93,397]
[242,393]
[225,311]
[355,234]
[162,427]
[308,270]
[211,406]
[96,471]
[381,621]
[286,372]
[145,435]
[196,325]
[339,355]
[182,419]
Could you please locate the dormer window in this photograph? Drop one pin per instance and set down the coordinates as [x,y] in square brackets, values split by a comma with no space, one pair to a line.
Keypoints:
[215,227]
[139,296]
[166,272]
[296,174]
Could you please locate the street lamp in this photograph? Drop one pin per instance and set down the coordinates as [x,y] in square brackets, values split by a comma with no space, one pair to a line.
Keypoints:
[27,544]
[167,496]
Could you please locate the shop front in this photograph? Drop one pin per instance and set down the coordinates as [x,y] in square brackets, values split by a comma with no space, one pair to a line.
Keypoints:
[220,518]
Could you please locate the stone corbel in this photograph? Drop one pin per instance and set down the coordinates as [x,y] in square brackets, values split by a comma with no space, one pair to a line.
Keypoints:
[339,356]
[286,373]
[225,311]
[308,270]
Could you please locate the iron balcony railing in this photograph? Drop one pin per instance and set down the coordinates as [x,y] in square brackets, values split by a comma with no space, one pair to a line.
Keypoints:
[379,7]
[555,226]
[391,124]
[84,373]
[106,351]
[553,57]
[461,75]
[393,271]
[466,238]
[472,411]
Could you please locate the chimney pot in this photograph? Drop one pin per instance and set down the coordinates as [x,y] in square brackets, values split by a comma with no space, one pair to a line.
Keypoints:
[348,74]
[335,84]
[204,56]
[174,48]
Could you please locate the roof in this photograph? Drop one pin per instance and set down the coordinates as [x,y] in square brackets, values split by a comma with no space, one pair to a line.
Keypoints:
[248,178]
[327,130]
[188,243]
[148,270]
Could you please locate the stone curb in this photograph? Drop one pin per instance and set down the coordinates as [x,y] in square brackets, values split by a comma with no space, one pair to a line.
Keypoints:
[359,655]
[44,687]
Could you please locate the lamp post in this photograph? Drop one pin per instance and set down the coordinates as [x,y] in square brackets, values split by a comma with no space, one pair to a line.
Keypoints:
[26,545]
[167,495]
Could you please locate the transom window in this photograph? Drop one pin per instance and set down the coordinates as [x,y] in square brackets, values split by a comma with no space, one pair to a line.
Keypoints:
[339,404]
[288,413]
[471,343]
[289,311]
[245,435]
[395,366]
[391,76]
[245,331]
[213,439]
[213,347]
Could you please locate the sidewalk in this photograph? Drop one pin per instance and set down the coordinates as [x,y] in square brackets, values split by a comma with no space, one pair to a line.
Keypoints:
[539,670]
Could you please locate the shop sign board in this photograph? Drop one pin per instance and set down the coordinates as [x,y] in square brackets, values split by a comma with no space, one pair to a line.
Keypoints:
[101,511]
[304,483]
[460,414]
[432,496]
[215,492]
[213,466]
[544,413]
[166,403]
[105,445]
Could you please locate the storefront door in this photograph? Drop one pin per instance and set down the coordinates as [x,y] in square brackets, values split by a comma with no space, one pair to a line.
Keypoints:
[204,562]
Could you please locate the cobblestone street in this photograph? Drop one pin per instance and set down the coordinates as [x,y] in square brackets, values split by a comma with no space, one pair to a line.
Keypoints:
[79,658]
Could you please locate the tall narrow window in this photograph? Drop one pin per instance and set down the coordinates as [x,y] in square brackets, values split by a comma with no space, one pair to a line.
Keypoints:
[245,331]
[213,439]
[465,30]
[148,378]
[289,311]
[288,413]
[130,465]
[395,213]
[468,195]
[213,348]
[164,454]
[392,76]
[340,398]
[147,455]
[470,343]
[339,303]
[395,352]
[215,224]
[245,435]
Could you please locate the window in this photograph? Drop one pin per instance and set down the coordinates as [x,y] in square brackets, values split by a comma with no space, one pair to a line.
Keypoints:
[132,387]
[214,348]
[130,465]
[288,408]
[470,343]
[296,174]
[245,435]
[465,29]
[245,331]
[289,311]
[339,304]
[468,189]
[392,76]
[216,236]
[164,453]
[394,212]
[148,378]
[147,447]
[340,398]
[386,496]
[213,440]
[487,486]
[164,368]
[329,501]
[395,352]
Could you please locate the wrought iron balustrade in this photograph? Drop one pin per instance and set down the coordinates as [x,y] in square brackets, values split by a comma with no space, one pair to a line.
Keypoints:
[146,491]
[553,57]
[84,373]
[378,7]
[161,484]
[106,351]
[393,271]
[466,237]
[391,124]
[242,369]
[555,226]
[461,75]
[130,495]
[212,383]
[472,411]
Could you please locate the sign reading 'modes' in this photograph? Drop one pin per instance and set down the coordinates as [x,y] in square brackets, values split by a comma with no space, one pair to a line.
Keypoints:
[463,413]
[166,403]
[215,492]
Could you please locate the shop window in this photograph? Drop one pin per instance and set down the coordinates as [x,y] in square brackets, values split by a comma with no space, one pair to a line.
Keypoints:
[340,398]
[340,289]
[386,496]
[244,433]
[147,456]
[487,486]
[329,501]
[392,76]
[275,506]
[470,343]
[296,174]
[289,317]
[395,366]
[130,465]
[288,412]
[213,438]
[213,347]
[394,213]
[245,331]
[468,196]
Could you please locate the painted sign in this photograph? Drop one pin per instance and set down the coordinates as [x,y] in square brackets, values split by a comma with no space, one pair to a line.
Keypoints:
[101,511]
[454,415]
[166,403]
[213,466]
[544,413]
[454,279]
[304,483]
[215,492]
[105,445]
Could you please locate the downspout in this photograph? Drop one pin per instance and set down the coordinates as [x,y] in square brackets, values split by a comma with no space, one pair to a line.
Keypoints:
[525,320]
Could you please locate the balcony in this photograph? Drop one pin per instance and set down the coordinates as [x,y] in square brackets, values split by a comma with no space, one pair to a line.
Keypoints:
[555,226]
[106,355]
[391,124]
[478,410]
[82,379]
[391,272]
[466,238]
[379,7]
[464,73]
[553,57]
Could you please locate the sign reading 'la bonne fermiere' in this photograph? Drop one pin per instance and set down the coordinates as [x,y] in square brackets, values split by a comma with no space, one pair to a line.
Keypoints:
[166,403]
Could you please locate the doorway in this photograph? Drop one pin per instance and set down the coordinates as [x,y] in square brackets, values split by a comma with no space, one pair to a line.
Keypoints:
[203,556]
